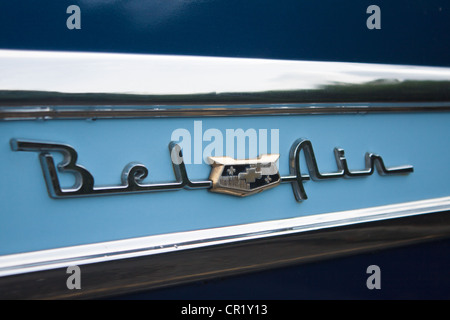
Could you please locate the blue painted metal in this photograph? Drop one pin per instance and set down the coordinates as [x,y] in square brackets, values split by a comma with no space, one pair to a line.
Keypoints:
[106,146]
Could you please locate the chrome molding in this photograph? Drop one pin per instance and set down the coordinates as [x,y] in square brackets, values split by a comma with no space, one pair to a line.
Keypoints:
[116,112]
[71,85]
[124,266]
[175,242]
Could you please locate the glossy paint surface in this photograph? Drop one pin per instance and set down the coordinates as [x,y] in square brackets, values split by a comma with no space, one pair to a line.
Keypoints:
[315,281]
[411,32]
[31,220]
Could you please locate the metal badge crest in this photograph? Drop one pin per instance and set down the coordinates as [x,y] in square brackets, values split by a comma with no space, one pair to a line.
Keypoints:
[244,177]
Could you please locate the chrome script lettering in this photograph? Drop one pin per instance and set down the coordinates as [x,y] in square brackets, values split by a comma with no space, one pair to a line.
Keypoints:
[236,177]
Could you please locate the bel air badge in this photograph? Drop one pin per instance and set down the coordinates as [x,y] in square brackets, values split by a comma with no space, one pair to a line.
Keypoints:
[229,176]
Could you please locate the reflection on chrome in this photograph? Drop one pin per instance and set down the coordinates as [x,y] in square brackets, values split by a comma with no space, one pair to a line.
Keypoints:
[256,175]
[43,78]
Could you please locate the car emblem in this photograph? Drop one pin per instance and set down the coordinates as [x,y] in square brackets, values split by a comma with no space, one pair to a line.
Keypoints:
[230,176]
[244,177]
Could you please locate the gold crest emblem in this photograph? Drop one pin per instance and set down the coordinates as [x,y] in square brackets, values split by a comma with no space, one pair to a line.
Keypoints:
[244,177]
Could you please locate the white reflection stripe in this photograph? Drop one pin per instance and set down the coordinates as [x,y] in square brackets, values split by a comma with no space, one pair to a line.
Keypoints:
[80,72]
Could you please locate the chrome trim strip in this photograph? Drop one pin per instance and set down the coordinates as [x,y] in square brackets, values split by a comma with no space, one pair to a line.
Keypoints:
[117,112]
[20,263]
[97,85]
